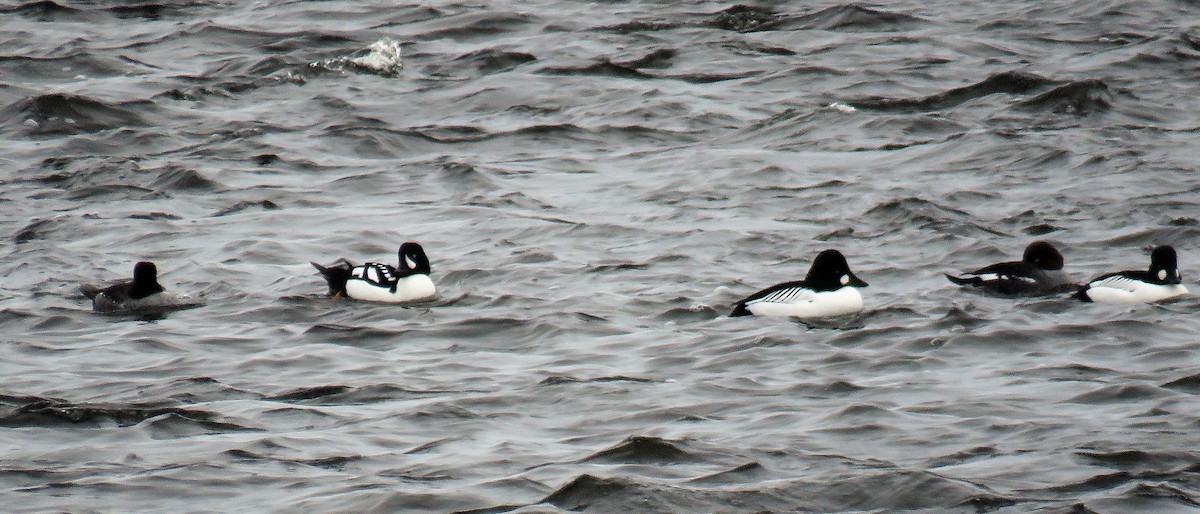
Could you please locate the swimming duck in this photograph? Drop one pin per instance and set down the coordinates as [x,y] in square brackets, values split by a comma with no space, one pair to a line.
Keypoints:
[142,293]
[829,289]
[377,282]
[1159,283]
[1039,272]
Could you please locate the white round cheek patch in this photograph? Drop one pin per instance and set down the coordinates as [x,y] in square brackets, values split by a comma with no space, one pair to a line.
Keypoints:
[1162,274]
[845,279]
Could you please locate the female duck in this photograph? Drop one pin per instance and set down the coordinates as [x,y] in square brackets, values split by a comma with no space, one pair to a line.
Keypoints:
[140,294]
[1039,272]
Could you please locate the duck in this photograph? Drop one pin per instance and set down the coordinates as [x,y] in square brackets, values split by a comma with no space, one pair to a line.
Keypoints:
[142,293]
[1160,282]
[378,282]
[1039,272]
[830,289]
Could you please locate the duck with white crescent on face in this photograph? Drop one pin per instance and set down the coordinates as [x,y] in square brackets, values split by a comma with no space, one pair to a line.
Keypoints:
[378,282]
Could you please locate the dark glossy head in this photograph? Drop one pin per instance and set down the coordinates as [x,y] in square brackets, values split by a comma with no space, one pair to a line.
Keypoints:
[145,280]
[830,271]
[145,273]
[1163,265]
[1043,255]
[413,260]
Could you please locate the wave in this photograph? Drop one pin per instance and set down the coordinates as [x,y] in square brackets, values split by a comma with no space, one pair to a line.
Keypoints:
[630,27]
[601,68]
[39,228]
[234,77]
[38,412]
[65,114]
[853,17]
[380,58]
[628,70]
[745,473]
[1118,393]
[1150,237]
[470,26]
[178,178]
[1190,383]
[1079,98]
[336,463]
[745,18]
[47,10]
[246,205]
[892,491]
[66,65]
[1009,82]
[659,58]
[584,491]
[1142,461]
[923,214]
[644,450]
[568,379]
[90,179]
[493,60]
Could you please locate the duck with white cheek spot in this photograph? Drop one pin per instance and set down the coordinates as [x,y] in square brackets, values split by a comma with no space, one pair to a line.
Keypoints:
[378,282]
[830,289]
[1160,282]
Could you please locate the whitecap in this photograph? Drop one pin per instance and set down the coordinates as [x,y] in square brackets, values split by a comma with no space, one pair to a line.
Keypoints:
[841,107]
[383,57]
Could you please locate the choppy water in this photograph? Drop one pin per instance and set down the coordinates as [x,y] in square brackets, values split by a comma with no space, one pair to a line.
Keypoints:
[596,184]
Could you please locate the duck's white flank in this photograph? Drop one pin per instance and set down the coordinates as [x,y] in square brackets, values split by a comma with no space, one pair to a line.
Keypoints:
[1120,289]
[806,303]
[412,288]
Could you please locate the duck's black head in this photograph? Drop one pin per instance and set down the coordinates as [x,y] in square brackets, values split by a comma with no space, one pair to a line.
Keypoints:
[413,260]
[1164,266]
[1043,255]
[145,280]
[830,271]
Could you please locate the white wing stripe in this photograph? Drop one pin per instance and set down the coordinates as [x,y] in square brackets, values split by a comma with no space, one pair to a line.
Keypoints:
[790,295]
[1117,282]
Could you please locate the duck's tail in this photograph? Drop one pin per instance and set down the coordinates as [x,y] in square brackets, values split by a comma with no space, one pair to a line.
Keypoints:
[964,281]
[336,275]
[1082,295]
[740,310]
[90,291]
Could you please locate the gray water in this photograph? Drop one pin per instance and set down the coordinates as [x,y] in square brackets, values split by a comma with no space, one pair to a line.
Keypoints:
[595,184]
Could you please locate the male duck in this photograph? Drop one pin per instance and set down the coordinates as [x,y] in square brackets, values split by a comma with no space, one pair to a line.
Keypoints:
[377,282]
[829,289]
[1159,283]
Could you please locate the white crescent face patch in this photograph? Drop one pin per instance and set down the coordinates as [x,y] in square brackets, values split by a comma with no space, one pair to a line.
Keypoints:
[410,263]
